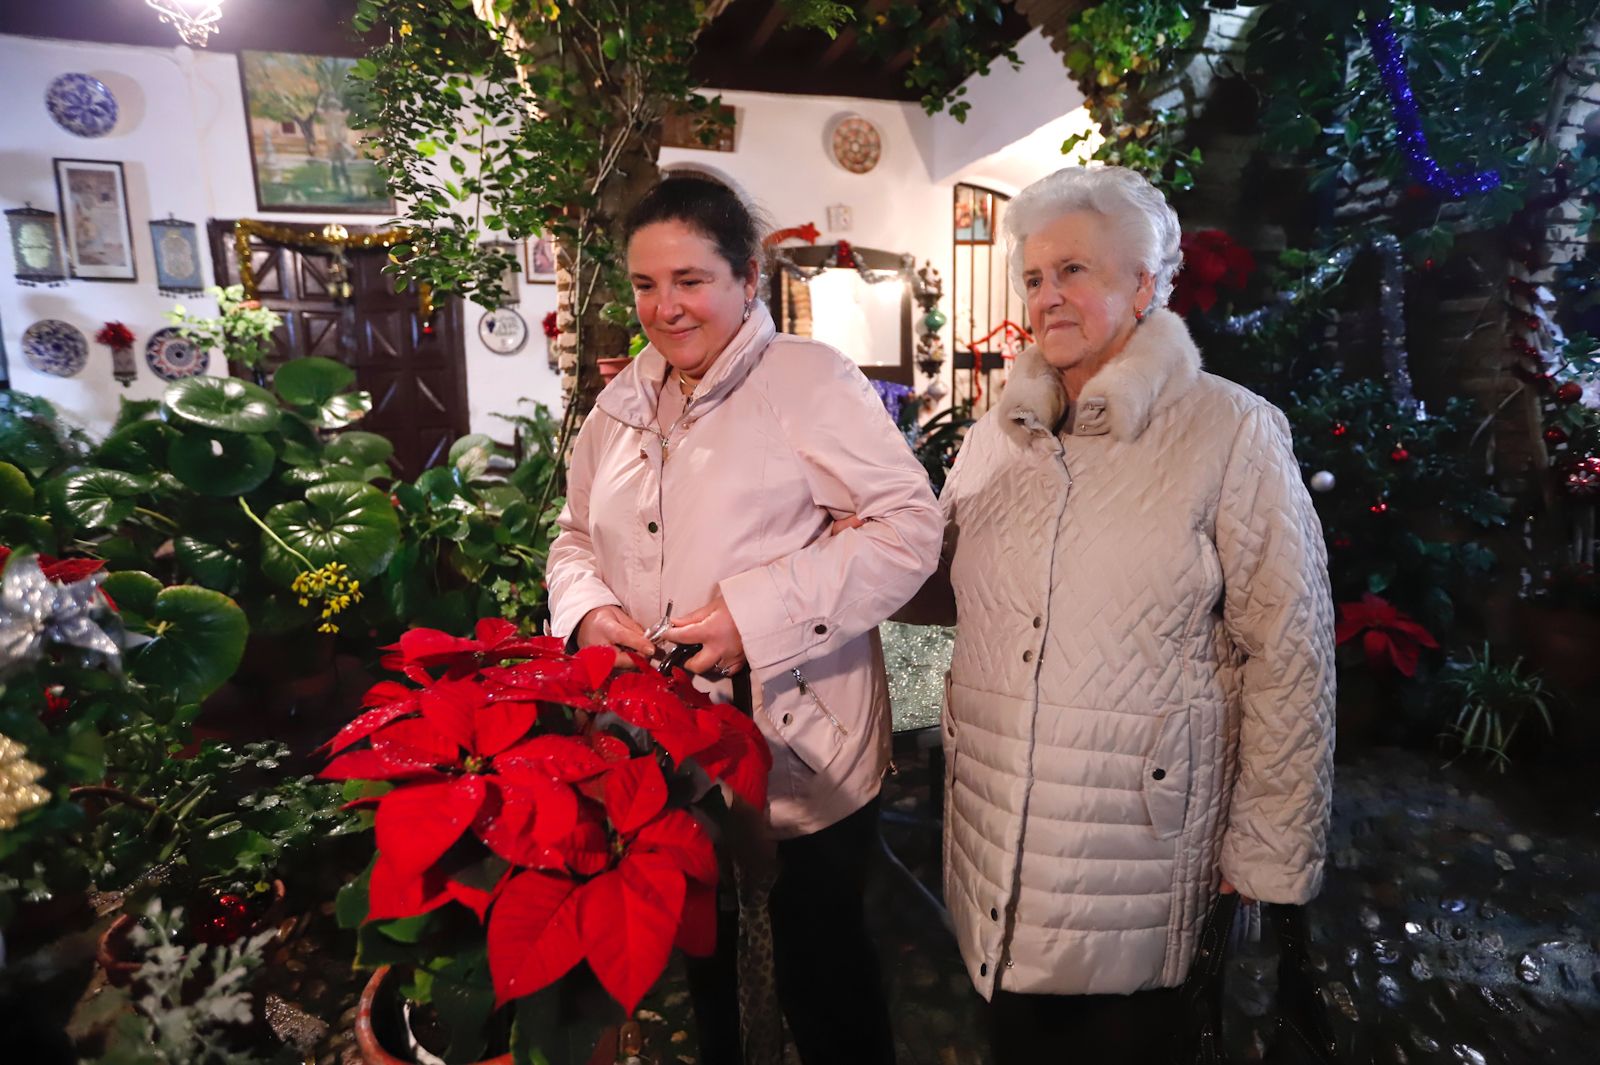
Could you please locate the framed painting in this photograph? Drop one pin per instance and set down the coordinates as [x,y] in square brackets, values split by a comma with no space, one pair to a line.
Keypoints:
[974,215]
[94,217]
[303,150]
[540,262]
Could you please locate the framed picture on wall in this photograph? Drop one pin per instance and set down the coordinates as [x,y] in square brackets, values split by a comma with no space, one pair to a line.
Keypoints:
[974,215]
[303,151]
[94,216]
[540,263]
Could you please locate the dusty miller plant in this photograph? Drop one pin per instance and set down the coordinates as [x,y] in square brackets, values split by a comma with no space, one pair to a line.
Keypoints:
[171,1023]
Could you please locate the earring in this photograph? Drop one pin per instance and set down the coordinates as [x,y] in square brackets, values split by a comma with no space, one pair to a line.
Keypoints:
[1138,315]
[748,304]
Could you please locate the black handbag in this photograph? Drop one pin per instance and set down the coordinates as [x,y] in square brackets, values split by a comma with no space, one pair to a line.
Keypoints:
[1288,1027]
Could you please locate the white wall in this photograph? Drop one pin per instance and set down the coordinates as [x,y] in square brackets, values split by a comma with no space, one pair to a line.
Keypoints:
[181,137]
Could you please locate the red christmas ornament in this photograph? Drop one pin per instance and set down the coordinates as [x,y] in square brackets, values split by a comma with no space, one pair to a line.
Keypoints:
[1569,392]
[1581,477]
[843,255]
[551,329]
[1427,264]
[1379,508]
[222,919]
[1341,542]
[1399,454]
[1555,435]
[1339,429]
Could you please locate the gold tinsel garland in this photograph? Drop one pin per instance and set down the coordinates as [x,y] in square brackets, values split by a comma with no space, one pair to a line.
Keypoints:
[19,791]
[332,236]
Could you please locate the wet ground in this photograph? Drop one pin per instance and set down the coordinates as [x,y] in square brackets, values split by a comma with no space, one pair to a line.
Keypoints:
[1459,925]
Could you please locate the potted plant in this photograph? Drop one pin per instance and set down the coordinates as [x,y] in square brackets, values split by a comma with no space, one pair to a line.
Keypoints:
[1495,699]
[242,329]
[542,823]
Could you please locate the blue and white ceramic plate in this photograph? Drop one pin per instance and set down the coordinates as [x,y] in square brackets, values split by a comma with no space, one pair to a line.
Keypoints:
[55,347]
[81,105]
[173,356]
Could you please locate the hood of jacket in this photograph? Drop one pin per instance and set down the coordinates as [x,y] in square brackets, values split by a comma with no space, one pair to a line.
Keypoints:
[1159,364]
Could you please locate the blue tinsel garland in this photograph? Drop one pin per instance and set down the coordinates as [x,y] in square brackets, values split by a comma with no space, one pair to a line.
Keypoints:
[1424,167]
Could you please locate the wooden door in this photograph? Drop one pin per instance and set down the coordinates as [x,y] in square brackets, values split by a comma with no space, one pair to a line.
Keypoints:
[415,371]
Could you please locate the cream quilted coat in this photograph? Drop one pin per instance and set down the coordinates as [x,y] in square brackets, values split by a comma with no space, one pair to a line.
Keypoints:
[1141,696]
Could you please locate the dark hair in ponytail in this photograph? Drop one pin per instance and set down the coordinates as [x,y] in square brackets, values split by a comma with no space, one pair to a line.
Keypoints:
[708,207]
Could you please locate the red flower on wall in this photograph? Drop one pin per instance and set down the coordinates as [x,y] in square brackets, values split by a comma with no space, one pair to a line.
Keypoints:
[1387,635]
[1211,260]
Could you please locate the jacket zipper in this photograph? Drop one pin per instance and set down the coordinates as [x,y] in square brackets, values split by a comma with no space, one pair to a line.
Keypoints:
[807,689]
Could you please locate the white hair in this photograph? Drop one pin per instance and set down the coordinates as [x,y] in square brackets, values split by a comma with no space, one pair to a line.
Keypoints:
[1145,224]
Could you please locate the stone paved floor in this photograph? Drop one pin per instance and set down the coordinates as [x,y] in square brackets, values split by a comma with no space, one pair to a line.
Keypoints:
[1460,923]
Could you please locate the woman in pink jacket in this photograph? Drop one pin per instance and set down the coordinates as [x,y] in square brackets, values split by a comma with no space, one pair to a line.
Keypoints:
[705,485]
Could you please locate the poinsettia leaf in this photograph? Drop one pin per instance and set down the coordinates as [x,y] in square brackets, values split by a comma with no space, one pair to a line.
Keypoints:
[679,837]
[635,792]
[417,823]
[450,706]
[533,935]
[520,819]
[385,701]
[394,894]
[628,918]
[586,850]
[697,930]
[500,724]
[597,663]
[416,738]
[563,758]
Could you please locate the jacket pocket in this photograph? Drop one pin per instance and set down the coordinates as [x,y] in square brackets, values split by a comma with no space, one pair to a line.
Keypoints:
[804,722]
[1167,769]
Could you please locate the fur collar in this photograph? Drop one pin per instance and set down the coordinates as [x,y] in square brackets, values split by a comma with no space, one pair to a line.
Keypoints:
[1158,365]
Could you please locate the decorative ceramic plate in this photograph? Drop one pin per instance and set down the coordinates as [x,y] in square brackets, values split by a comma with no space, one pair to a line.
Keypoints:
[55,347]
[173,356]
[503,331]
[81,105]
[857,145]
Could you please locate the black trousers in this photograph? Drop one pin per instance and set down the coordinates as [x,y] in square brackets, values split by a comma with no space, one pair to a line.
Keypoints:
[829,982]
[1134,1029]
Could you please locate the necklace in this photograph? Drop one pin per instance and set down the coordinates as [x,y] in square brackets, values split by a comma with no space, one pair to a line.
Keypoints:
[685,385]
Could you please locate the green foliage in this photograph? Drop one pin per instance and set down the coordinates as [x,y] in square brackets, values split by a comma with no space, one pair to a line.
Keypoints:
[1482,72]
[1407,504]
[1120,52]
[188,1004]
[242,329]
[947,45]
[935,441]
[1494,701]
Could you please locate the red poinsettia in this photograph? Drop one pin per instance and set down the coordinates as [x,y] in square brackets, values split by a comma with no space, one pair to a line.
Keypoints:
[1387,635]
[115,335]
[61,570]
[1211,260]
[549,794]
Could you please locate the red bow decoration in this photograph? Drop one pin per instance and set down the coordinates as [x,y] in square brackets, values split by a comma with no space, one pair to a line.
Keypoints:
[1211,260]
[1386,634]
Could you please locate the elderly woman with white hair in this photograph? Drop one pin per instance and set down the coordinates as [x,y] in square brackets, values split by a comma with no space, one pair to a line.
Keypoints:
[1139,708]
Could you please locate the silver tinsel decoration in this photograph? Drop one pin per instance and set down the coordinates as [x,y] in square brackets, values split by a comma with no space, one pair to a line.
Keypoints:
[1391,307]
[35,611]
[916,658]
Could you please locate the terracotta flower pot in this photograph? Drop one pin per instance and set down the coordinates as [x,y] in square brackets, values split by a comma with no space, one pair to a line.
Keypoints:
[373,1051]
[610,367]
